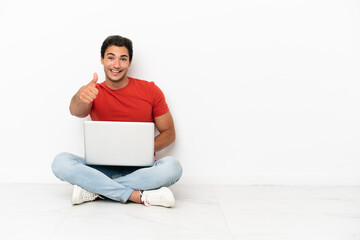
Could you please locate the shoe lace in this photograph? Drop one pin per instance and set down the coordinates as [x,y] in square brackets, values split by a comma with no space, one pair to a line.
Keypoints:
[153,199]
[86,195]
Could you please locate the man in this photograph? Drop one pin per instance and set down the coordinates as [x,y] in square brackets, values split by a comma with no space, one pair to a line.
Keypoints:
[121,98]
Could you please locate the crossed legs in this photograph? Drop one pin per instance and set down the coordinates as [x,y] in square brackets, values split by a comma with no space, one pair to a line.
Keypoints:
[117,183]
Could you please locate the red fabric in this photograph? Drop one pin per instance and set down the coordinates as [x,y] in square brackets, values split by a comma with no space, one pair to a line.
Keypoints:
[139,101]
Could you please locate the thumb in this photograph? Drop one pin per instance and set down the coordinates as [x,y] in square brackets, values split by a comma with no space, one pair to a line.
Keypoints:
[95,79]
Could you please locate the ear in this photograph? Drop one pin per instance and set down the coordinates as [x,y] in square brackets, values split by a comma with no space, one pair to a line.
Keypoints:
[102,60]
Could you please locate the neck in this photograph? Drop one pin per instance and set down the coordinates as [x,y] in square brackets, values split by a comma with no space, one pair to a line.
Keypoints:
[116,85]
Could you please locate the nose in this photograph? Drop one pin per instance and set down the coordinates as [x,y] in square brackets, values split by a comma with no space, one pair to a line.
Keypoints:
[117,63]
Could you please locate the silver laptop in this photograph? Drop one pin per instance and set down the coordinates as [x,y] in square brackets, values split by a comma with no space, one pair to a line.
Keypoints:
[119,143]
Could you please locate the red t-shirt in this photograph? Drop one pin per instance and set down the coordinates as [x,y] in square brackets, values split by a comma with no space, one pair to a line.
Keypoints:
[139,101]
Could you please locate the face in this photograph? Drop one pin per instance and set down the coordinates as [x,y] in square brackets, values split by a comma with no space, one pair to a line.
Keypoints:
[116,63]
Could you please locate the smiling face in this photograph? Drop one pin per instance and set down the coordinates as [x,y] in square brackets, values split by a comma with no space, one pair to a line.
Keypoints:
[116,63]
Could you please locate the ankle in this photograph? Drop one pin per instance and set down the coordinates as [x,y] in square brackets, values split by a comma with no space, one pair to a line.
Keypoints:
[135,196]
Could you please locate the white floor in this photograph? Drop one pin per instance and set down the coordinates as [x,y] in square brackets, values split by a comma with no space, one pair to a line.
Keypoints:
[43,211]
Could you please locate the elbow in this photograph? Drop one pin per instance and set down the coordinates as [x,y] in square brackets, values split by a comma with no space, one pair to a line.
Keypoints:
[77,114]
[173,137]
[80,115]
[71,111]
[79,111]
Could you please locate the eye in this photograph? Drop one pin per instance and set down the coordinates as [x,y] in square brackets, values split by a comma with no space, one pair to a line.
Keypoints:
[123,59]
[110,58]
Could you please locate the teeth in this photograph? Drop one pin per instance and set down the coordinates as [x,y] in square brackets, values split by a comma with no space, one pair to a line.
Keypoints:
[115,71]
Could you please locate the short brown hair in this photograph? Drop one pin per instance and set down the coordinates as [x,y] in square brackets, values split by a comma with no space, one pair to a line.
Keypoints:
[119,42]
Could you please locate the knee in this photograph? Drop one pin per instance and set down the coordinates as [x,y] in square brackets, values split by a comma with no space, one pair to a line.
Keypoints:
[173,168]
[61,165]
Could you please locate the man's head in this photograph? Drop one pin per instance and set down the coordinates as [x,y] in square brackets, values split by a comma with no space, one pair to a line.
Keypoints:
[118,41]
[116,56]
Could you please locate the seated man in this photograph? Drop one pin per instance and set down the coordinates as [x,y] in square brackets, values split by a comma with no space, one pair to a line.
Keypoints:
[121,98]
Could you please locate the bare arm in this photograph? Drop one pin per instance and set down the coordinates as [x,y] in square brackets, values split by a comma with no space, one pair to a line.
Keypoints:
[165,125]
[81,102]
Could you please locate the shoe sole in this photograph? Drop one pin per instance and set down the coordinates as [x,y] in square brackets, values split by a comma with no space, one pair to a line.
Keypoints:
[74,193]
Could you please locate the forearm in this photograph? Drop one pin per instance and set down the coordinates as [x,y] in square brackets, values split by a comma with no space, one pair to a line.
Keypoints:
[164,139]
[78,108]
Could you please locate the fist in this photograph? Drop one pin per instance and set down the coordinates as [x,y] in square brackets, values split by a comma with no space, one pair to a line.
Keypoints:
[88,93]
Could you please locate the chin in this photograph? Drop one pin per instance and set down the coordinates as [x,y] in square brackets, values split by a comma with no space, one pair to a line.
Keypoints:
[118,79]
[115,80]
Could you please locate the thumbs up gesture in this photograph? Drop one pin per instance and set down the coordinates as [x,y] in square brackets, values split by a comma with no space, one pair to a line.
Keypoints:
[88,93]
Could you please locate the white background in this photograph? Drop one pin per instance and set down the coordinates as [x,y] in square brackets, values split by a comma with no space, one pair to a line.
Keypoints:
[262,92]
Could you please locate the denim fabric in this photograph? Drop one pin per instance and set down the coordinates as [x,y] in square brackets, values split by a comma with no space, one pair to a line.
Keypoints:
[116,182]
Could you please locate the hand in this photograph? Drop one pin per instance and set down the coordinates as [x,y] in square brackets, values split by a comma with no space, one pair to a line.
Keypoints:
[88,93]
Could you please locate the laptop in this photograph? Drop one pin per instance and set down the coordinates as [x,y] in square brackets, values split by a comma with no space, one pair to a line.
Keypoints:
[119,143]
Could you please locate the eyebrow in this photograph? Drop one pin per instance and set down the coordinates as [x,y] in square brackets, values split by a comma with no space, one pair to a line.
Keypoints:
[114,55]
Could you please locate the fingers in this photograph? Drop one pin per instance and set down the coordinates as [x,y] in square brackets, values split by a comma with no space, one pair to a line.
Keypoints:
[89,92]
[85,100]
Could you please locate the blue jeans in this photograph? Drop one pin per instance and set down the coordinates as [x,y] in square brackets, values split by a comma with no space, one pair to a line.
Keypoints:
[116,182]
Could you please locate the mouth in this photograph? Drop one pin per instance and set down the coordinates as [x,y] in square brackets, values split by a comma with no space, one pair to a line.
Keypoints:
[115,71]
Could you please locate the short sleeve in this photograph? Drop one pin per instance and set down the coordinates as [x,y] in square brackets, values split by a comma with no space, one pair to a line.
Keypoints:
[160,106]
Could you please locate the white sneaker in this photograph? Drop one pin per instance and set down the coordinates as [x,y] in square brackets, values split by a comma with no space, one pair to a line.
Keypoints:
[80,195]
[160,197]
